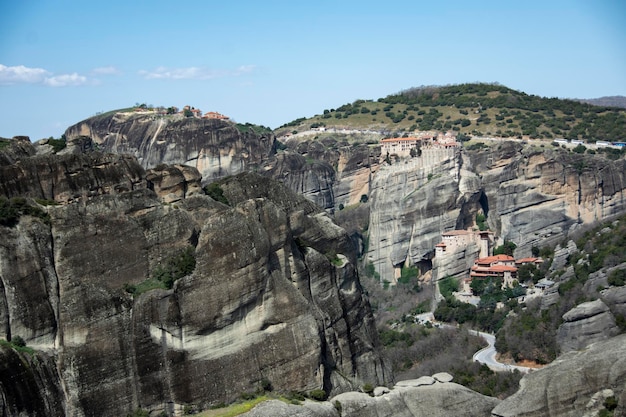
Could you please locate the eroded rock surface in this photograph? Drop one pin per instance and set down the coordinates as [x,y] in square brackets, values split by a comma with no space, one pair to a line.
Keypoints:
[274,294]
[531,196]
[216,148]
[585,324]
[567,386]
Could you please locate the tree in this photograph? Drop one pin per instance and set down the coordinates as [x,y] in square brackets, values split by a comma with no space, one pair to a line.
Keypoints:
[529,272]
[506,249]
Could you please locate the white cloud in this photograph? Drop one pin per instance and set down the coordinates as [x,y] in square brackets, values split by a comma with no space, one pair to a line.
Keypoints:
[22,75]
[110,70]
[65,80]
[194,73]
[245,69]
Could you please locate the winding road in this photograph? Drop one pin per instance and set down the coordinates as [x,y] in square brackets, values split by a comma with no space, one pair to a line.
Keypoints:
[487,356]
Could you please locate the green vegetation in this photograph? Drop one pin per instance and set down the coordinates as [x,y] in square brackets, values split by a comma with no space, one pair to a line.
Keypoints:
[12,209]
[506,249]
[407,274]
[57,144]
[166,273]
[481,221]
[447,286]
[18,344]
[414,350]
[370,271]
[4,143]
[617,278]
[475,146]
[530,333]
[479,108]
[214,190]
[368,389]
[176,266]
[318,395]
[610,404]
[252,128]
[235,409]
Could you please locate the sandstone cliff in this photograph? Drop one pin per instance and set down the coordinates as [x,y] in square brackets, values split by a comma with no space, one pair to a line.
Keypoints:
[216,148]
[531,196]
[328,172]
[576,384]
[274,294]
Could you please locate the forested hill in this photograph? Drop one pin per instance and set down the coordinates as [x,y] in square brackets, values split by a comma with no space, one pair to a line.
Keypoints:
[475,109]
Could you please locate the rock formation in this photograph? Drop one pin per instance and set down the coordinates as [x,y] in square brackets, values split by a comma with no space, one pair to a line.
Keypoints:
[531,196]
[593,321]
[274,294]
[428,396]
[574,385]
[216,148]
[585,324]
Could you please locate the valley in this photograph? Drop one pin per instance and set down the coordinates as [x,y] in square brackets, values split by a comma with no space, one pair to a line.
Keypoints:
[180,263]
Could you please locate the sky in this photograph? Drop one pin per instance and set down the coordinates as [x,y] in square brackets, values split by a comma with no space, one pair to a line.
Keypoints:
[270,62]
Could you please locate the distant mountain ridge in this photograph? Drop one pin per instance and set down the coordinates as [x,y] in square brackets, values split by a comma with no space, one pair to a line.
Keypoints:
[606,101]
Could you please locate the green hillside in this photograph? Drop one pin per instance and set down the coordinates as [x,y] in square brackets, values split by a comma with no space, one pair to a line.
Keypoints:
[475,109]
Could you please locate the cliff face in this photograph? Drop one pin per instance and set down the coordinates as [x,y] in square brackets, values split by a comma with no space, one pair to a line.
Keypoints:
[531,196]
[576,384]
[411,204]
[274,294]
[216,148]
[328,173]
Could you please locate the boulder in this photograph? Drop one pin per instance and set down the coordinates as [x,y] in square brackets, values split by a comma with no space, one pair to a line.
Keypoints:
[443,377]
[436,400]
[585,324]
[423,380]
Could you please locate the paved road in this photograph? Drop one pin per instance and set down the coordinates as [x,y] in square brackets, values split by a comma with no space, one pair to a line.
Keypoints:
[488,356]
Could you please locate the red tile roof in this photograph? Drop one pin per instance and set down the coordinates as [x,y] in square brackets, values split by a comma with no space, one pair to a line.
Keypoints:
[495,258]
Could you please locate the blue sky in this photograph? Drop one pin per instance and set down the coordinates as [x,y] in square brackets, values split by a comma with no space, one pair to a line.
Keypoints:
[269,62]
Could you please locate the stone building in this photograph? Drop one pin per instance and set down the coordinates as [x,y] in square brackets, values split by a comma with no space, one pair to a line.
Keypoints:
[499,266]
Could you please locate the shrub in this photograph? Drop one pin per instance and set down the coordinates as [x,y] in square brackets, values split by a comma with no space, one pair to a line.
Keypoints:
[11,210]
[214,190]
[407,273]
[480,221]
[18,341]
[617,278]
[57,144]
[506,249]
[447,286]
[318,395]
[390,337]
[175,267]
[247,396]
[295,396]
[368,389]
[266,385]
